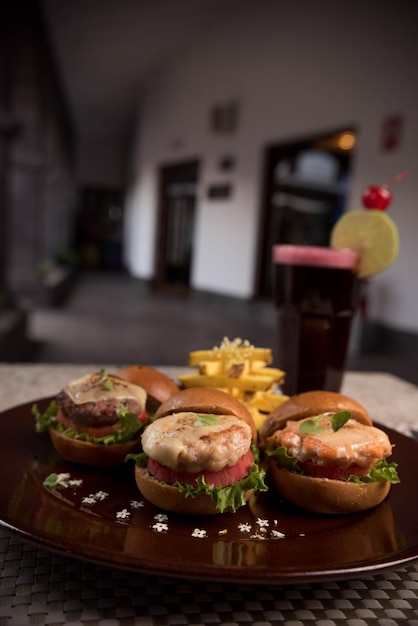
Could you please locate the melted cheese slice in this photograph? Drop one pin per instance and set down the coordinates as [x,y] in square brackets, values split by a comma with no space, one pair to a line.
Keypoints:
[183,442]
[353,443]
[90,388]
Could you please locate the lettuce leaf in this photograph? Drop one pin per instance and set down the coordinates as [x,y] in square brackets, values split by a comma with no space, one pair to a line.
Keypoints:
[140,459]
[205,420]
[255,452]
[46,420]
[382,471]
[231,497]
[129,426]
[283,459]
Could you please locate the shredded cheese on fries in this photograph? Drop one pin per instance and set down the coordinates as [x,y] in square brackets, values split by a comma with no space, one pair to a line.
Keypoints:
[242,370]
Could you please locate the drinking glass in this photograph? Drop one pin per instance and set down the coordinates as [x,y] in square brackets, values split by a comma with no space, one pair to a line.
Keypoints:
[316,295]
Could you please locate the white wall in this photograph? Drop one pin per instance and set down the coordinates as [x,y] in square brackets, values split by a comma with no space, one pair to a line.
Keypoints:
[297,68]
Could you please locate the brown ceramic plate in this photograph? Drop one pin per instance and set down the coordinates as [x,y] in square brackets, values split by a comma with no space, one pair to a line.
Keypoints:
[245,546]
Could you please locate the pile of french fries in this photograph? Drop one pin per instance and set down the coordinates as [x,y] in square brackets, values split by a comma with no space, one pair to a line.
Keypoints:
[243,371]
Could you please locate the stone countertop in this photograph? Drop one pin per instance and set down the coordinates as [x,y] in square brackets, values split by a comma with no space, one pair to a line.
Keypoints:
[390,400]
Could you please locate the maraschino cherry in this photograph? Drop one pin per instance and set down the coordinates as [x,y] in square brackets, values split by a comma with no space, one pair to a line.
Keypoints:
[380,196]
[375,197]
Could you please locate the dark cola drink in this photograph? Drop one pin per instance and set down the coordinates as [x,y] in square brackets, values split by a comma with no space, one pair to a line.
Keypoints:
[316,294]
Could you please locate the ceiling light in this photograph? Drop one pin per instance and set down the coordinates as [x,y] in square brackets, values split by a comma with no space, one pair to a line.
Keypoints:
[346,141]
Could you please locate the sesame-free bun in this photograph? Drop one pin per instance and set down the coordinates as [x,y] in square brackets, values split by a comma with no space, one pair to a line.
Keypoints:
[206,400]
[158,386]
[86,453]
[309,404]
[325,496]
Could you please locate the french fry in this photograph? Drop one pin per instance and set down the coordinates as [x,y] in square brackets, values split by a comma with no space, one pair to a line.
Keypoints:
[245,383]
[231,352]
[243,371]
[210,368]
[257,416]
[265,401]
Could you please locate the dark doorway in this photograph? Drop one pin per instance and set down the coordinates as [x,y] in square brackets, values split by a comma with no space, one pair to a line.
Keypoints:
[99,228]
[304,192]
[176,212]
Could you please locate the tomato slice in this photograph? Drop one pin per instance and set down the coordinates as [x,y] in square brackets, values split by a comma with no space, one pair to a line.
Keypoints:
[333,472]
[143,416]
[223,478]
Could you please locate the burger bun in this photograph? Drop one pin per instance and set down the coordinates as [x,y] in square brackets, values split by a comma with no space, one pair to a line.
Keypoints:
[86,453]
[309,404]
[206,400]
[158,385]
[325,496]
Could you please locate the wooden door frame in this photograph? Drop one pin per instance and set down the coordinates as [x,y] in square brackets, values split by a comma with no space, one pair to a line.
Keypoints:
[162,215]
[268,165]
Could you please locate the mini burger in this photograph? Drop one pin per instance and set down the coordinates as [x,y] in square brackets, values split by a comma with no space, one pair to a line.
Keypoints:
[328,460]
[199,454]
[95,420]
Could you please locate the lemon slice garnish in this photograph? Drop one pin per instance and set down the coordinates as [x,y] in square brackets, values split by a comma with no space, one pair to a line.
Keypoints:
[373,234]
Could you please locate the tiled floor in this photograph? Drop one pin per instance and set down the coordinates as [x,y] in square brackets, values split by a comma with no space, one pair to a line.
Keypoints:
[114,318]
[118,319]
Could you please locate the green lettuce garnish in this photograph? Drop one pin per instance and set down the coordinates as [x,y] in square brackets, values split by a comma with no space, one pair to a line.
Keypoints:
[103,378]
[205,420]
[339,419]
[381,472]
[229,498]
[282,458]
[45,420]
[312,426]
[129,426]
[139,459]
[51,481]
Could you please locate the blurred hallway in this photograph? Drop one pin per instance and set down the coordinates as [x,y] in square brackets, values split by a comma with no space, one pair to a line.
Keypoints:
[112,318]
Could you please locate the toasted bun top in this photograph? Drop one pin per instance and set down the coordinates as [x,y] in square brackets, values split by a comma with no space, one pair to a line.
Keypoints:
[312,403]
[158,386]
[206,400]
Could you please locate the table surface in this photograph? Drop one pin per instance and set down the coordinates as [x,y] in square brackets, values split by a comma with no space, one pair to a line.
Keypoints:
[40,587]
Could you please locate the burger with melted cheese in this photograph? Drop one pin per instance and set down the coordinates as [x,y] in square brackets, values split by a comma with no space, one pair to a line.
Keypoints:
[330,458]
[96,419]
[199,454]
